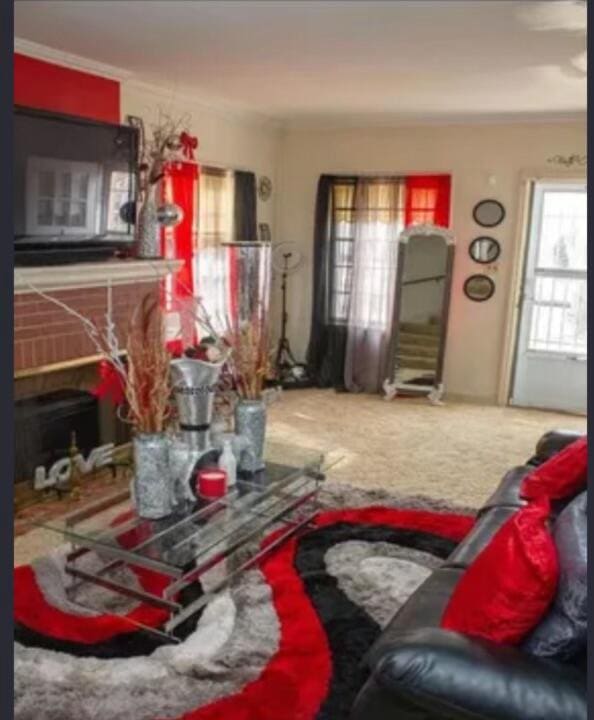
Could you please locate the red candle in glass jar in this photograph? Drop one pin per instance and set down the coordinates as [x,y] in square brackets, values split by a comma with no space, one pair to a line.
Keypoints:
[211,483]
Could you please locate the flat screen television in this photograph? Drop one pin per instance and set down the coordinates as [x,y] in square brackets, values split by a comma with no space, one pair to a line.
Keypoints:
[74,187]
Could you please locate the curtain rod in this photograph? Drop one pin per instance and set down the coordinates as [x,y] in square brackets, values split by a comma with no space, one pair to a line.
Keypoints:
[223,166]
[384,173]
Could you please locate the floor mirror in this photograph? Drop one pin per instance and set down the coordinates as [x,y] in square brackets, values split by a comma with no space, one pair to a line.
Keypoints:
[421,305]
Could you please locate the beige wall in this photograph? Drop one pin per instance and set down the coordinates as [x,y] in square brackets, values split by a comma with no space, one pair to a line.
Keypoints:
[226,140]
[473,155]
[294,159]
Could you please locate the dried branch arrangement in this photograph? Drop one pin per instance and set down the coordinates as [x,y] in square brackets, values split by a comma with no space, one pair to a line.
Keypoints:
[162,145]
[145,374]
[147,386]
[105,341]
[249,362]
[192,309]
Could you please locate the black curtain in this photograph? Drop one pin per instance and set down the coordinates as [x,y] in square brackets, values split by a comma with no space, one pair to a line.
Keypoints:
[244,214]
[327,343]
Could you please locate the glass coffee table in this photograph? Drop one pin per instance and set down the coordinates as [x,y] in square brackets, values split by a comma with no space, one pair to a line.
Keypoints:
[225,533]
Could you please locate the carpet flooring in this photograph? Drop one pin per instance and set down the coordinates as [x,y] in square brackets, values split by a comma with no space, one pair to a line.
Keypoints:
[286,641]
[456,451]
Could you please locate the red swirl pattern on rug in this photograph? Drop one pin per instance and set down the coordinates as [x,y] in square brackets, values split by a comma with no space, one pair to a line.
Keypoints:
[299,674]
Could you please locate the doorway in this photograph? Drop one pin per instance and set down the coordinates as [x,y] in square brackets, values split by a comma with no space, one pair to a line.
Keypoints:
[551,347]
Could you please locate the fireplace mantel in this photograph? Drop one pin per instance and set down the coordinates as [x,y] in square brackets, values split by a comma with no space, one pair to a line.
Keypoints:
[91,275]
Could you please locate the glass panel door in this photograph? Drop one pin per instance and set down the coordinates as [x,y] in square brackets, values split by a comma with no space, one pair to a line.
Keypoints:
[552,342]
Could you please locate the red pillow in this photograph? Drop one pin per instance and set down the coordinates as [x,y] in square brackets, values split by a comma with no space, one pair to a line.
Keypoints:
[561,476]
[507,590]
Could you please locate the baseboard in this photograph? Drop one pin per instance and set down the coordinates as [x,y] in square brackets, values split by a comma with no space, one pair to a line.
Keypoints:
[471,399]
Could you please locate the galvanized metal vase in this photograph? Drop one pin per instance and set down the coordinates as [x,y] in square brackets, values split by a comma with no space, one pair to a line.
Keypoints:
[194,386]
[250,422]
[153,492]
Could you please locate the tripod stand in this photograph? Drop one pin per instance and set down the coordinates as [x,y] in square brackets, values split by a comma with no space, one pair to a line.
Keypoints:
[285,360]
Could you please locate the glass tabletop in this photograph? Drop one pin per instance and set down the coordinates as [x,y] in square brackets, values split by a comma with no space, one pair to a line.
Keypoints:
[194,534]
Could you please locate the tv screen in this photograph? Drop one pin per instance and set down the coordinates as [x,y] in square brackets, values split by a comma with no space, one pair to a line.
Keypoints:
[73,179]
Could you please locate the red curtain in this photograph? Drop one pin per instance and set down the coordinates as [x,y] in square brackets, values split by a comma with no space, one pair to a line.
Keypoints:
[180,242]
[427,200]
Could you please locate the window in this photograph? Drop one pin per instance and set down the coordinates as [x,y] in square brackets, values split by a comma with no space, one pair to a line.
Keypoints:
[421,205]
[216,189]
[119,194]
[342,241]
[373,222]
[215,227]
[559,315]
[62,197]
[380,220]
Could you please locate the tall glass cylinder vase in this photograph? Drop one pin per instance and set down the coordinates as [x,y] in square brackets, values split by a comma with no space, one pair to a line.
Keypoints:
[250,422]
[249,264]
[153,492]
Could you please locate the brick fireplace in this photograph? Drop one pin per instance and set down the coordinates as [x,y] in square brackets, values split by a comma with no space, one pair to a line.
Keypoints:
[46,335]
[52,352]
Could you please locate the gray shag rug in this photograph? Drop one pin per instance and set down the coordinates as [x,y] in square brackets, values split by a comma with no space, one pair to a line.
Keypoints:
[234,640]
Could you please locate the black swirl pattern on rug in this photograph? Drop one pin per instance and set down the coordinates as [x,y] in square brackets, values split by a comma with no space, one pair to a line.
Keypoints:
[349,629]
[136,643]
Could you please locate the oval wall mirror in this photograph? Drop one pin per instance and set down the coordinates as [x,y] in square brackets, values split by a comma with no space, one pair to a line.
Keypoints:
[488,213]
[479,288]
[484,250]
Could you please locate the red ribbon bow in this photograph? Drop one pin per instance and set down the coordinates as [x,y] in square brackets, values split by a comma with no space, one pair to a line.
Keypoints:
[189,143]
[110,385]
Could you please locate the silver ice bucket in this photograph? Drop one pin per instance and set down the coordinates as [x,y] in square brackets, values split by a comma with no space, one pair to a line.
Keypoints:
[194,384]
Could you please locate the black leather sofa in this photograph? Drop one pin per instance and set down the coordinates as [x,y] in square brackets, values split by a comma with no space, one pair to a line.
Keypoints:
[421,672]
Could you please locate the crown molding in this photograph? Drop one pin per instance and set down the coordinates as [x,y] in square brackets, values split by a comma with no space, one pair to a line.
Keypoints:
[131,80]
[69,60]
[189,96]
[389,120]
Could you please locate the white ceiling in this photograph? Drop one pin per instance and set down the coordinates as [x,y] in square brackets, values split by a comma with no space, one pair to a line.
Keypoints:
[317,61]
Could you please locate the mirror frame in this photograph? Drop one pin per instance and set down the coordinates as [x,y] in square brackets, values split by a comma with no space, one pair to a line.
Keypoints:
[482,276]
[391,385]
[484,202]
[476,241]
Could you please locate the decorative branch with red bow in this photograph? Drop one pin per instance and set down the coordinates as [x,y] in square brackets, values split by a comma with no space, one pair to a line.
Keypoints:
[169,141]
[189,144]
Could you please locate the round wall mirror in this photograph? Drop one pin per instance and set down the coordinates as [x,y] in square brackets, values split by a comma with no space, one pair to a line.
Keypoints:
[484,250]
[488,213]
[479,288]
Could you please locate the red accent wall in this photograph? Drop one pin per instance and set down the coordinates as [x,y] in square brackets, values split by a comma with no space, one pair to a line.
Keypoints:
[46,86]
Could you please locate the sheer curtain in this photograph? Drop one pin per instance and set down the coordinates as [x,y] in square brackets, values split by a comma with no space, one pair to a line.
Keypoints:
[227,214]
[215,227]
[379,211]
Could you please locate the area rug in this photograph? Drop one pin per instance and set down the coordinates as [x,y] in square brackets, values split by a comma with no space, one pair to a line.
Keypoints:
[285,643]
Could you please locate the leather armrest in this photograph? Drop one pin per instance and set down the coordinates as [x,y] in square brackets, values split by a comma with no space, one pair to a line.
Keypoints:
[554,441]
[447,674]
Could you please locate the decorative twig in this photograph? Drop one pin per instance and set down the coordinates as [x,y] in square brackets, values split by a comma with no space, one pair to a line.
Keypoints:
[198,312]
[99,340]
[146,375]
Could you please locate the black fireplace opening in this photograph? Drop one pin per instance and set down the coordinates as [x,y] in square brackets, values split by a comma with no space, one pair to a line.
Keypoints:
[44,425]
